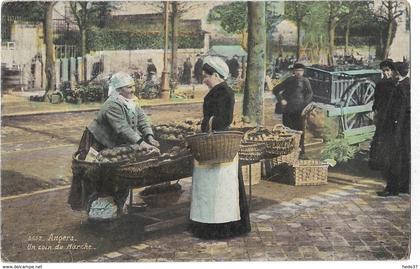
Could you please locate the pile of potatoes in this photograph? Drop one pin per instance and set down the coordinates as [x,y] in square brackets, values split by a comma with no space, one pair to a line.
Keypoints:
[131,153]
[177,131]
[175,152]
[260,134]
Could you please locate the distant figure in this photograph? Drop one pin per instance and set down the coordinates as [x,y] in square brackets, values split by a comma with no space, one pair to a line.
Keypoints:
[186,73]
[198,69]
[233,65]
[278,64]
[151,69]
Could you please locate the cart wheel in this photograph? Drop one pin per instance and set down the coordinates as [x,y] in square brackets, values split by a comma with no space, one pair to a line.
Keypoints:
[360,93]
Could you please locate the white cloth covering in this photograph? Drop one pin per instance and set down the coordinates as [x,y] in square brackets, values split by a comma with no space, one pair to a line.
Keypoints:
[119,80]
[215,193]
[218,64]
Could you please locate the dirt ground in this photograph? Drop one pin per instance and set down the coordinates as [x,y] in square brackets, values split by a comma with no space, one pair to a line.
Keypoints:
[37,150]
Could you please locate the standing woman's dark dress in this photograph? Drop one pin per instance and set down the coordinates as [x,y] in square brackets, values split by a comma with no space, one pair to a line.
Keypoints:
[219,103]
[186,73]
[198,71]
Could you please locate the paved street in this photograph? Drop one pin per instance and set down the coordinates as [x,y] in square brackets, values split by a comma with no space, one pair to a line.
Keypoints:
[348,222]
[343,220]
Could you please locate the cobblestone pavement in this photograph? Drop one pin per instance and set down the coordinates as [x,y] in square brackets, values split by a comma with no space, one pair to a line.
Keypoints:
[349,222]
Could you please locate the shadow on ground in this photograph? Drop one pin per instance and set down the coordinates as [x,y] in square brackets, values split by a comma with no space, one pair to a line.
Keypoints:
[13,183]
[357,167]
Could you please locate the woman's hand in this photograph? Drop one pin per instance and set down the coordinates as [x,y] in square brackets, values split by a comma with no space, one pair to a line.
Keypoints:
[152,141]
[283,102]
[148,147]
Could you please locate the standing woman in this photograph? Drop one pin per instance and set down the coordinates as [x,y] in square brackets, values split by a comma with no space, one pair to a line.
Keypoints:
[219,207]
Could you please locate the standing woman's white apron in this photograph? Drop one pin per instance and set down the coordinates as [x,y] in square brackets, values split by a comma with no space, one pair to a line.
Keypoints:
[215,193]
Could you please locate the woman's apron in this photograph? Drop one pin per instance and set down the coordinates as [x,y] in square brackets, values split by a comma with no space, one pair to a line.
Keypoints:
[215,193]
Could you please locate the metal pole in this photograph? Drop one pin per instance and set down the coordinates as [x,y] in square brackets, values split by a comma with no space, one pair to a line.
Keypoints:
[165,75]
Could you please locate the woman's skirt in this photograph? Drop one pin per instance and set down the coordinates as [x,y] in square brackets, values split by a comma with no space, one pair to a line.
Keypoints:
[93,190]
[225,210]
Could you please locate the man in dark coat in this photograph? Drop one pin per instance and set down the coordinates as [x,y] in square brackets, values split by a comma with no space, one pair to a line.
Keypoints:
[398,120]
[233,65]
[293,95]
[198,69]
[186,72]
[151,69]
[379,155]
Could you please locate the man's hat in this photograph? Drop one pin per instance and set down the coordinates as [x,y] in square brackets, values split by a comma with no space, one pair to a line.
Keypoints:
[402,68]
[387,63]
[298,66]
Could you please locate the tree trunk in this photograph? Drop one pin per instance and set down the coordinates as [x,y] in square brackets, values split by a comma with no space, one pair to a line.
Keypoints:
[298,41]
[388,41]
[244,39]
[49,51]
[331,37]
[346,45]
[174,39]
[84,52]
[255,73]
[379,48]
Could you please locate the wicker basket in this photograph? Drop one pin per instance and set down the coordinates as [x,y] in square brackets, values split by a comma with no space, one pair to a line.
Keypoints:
[214,147]
[251,151]
[274,146]
[280,146]
[283,130]
[309,172]
[134,170]
[290,158]
[93,171]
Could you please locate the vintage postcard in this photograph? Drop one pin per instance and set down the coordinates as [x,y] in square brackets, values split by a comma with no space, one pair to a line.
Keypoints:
[191,131]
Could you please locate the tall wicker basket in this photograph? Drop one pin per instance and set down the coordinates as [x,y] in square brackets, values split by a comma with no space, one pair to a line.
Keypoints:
[214,147]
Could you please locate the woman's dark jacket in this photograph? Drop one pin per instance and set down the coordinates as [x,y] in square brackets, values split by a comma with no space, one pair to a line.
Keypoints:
[219,102]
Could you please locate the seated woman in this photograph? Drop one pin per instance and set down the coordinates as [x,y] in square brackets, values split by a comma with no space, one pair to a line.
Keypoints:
[120,121]
[219,207]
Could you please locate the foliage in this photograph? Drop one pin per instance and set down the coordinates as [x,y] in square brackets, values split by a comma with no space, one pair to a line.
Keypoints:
[105,39]
[296,10]
[67,38]
[339,150]
[386,17]
[315,25]
[28,11]
[233,17]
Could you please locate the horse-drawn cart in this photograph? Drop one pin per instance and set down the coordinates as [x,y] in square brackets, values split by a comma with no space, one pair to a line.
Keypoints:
[347,94]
